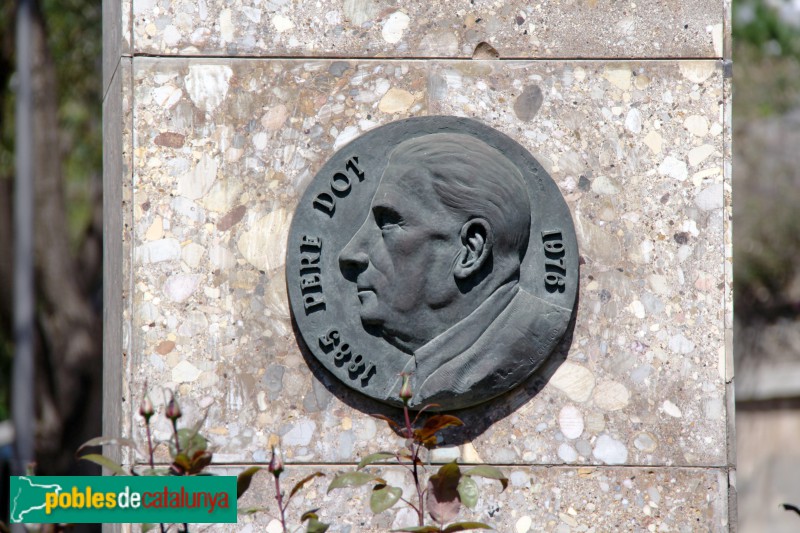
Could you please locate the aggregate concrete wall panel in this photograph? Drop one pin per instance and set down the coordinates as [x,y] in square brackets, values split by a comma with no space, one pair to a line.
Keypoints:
[224,148]
[444,29]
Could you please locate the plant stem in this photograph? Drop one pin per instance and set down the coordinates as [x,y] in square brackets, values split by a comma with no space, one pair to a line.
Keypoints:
[150,453]
[409,431]
[150,445]
[421,510]
[414,457]
[279,498]
[175,432]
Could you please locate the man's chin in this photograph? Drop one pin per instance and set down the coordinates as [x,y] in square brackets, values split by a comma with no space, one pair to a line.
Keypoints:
[377,327]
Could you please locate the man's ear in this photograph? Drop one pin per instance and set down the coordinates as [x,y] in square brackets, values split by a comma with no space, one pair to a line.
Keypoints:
[476,247]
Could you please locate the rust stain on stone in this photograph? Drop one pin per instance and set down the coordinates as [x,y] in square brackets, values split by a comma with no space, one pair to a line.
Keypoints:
[485,51]
[164,347]
[231,218]
[170,139]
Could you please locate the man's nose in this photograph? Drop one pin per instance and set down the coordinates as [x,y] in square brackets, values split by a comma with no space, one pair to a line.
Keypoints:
[353,258]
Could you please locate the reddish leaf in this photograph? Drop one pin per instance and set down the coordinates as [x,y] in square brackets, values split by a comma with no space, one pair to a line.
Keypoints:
[200,460]
[466,526]
[244,479]
[386,419]
[442,498]
[422,410]
[437,423]
[302,483]
[409,457]
[428,442]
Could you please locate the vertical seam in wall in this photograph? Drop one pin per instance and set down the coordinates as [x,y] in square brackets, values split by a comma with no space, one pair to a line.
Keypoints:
[111,79]
[130,252]
[727,29]
[131,34]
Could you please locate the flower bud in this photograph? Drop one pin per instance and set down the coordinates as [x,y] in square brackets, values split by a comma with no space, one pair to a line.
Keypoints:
[276,464]
[173,409]
[405,389]
[146,408]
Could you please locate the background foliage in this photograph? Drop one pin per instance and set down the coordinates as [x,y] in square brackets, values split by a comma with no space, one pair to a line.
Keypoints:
[67,46]
[766,116]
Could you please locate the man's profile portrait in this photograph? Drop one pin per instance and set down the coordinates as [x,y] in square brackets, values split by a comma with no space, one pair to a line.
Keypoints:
[436,267]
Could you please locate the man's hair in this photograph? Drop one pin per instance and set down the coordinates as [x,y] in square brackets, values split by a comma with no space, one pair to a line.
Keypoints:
[473,179]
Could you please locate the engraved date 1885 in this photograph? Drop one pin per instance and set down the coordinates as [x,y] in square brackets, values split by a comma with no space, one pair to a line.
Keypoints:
[358,367]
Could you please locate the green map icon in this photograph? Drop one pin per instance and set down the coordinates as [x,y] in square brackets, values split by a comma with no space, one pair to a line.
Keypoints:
[27,497]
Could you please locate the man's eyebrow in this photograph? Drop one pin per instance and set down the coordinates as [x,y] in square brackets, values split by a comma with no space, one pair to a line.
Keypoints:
[383,205]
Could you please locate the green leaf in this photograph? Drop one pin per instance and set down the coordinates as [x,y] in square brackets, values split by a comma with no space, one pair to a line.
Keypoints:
[352,479]
[101,441]
[181,464]
[191,442]
[419,529]
[466,526]
[384,497]
[302,483]
[468,491]
[315,526]
[244,479]
[252,510]
[488,472]
[153,472]
[105,462]
[374,458]
[309,514]
[148,527]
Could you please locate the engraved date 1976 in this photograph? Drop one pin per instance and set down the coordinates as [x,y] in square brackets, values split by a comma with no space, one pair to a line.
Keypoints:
[554,269]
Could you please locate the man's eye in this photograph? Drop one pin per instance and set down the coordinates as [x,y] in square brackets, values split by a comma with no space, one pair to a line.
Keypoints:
[387,218]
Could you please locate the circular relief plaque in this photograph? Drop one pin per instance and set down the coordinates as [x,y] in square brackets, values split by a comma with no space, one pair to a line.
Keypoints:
[436,246]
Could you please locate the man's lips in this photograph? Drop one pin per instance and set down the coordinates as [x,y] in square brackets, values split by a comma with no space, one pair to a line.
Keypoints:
[364,292]
[363,287]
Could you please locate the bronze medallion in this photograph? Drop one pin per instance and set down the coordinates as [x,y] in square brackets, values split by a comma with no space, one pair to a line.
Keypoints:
[436,246]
